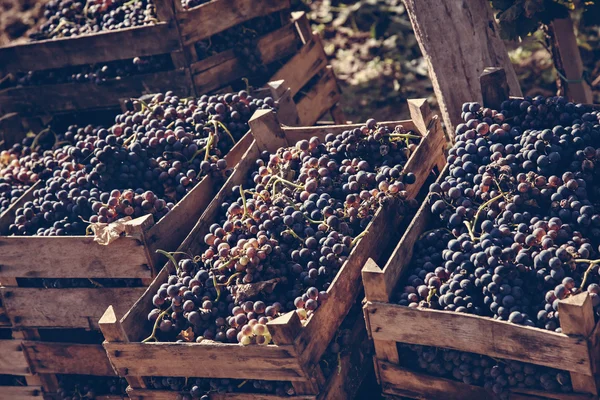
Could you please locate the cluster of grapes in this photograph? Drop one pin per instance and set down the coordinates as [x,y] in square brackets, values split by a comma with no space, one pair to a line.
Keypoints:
[283,236]
[97,73]
[498,376]
[87,387]
[66,18]
[144,164]
[26,163]
[200,388]
[519,226]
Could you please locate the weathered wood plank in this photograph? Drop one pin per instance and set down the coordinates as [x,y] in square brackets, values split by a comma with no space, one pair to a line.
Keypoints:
[205,360]
[64,308]
[21,392]
[208,19]
[542,394]
[67,358]
[307,63]
[463,332]
[52,99]
[319,99]
[107,46]
[576,315]
[401,382]
[72,257]
[224,68]
[470,42]
[12,358]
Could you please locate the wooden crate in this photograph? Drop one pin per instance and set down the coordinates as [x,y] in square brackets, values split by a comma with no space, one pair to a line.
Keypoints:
[131,256]
[298,347]
[175,34]
[354,364]
[576,350]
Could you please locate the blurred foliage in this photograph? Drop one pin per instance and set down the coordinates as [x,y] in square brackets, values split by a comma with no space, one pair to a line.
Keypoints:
[520,18]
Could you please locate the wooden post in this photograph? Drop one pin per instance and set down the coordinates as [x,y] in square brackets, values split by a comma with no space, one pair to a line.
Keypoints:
[576,316]
[284,330]
[494,87]
[286,113]
[267,131]
[377,289]
[420,114]
[113,331]
[567,60]
[302,25]
[338,115]
[458,51]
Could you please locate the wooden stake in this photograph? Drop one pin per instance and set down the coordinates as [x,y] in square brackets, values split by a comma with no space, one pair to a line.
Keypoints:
[267,131]
[567,59]
[576,315]
[458,40]
[494,87]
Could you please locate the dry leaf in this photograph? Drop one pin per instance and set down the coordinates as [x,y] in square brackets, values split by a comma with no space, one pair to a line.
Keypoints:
[251,290]
[105,234]
[186,335]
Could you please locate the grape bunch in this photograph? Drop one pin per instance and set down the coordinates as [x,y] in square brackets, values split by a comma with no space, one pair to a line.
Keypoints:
[496,375]
[98,74]
[519,222]
[67,18]
[282,236]
[87,387]
[200,388]
[144,164]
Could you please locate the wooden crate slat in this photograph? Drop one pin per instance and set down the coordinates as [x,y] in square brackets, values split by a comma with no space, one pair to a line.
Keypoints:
[51,99]
[67,358]
[90,49]
[319,99]
[64,308]
[205,360]
[72,257]
[223,68]
[12,359]
[21,392]
[303,66]
[464,332]
[205,20]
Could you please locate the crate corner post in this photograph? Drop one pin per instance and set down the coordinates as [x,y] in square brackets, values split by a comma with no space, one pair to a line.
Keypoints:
[266,130]
[576,314]
[494,87]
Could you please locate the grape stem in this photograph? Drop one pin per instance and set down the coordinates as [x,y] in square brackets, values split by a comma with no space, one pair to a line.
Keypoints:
[481,208]
[242,194]
[219,123]
[208,146]
[153,337]
[291,232]
[588,270]
[171,258]
[404,136]
[357,238]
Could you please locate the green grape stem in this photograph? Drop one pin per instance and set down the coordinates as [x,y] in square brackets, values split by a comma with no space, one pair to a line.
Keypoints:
[153,337]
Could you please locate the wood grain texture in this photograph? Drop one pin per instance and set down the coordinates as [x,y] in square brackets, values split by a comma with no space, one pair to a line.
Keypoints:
[12,358]
[137,394]
[319,99]
[469,43]
[398,381]
[64,308]
[67,358]
[72,257]
[21,392]
[205,360]
[576,314]
[89,49]
[67,97]
[494,87]
[205,20]
[223,68]
[301,68]
[464,332]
